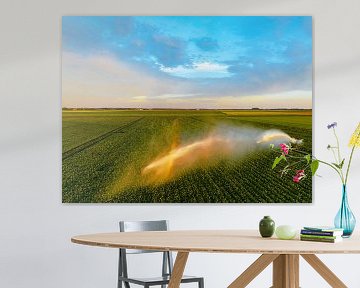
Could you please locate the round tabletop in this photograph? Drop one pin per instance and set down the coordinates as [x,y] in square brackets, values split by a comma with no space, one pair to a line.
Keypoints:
[220,241]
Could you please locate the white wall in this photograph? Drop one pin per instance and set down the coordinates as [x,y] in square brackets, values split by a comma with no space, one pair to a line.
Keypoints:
[35,227]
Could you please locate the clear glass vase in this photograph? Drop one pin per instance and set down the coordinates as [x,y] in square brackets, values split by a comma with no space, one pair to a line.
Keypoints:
[345,219]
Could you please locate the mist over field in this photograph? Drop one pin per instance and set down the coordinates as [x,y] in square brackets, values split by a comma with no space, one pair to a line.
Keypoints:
[223,143]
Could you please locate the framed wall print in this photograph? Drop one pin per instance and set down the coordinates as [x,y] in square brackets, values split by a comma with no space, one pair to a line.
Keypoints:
[167,109]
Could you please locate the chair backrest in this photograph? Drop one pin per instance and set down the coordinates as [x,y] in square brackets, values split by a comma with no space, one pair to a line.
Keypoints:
[137,226]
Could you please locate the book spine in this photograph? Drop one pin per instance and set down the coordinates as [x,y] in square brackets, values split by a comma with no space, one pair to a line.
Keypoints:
[319,236]
[317,239]
[320,233]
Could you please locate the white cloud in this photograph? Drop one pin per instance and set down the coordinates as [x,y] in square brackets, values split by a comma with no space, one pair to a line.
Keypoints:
[199,70]
[172,96]
[139,98]
[103,81]
[288,99]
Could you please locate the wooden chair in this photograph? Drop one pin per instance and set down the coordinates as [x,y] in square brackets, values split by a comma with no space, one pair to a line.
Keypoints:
[167,263]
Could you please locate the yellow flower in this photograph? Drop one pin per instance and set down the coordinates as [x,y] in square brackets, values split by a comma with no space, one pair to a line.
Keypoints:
[355,138]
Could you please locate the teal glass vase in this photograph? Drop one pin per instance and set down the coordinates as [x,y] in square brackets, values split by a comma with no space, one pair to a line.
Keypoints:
[345,219]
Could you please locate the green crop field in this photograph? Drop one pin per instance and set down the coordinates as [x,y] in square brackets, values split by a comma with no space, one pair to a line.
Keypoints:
[105,153]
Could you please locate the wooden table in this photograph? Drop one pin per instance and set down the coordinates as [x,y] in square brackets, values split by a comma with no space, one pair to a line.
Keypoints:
[284,254]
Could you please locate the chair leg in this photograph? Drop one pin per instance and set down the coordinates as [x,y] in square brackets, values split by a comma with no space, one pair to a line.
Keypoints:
[201,283]
[126,284]
[120,273]
[165,267]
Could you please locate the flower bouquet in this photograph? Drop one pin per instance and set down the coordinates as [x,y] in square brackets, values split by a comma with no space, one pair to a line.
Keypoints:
[299,164]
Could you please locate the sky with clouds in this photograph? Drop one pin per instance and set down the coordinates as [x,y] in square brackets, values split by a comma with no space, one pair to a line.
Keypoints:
[209,62]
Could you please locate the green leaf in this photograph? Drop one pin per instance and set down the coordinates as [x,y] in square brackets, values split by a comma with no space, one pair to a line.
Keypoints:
[342,163]
[272,146]
[339,166]
[308,158]
[335,164]
[314,166]
[278,160]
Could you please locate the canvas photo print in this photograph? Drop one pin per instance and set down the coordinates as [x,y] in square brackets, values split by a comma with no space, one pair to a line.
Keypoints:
[167,109]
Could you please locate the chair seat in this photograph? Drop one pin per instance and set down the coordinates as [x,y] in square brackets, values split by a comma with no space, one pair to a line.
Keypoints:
[158,280]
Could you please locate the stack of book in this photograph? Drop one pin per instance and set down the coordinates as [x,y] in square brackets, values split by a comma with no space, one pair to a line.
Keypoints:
[321,234]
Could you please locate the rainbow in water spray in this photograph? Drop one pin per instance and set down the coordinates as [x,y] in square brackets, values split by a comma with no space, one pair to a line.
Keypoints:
[223,143]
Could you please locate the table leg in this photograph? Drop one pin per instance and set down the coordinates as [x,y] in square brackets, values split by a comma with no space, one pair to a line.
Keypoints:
[253,270]
[178,269]
[286,271]
[293,262]
[324,271]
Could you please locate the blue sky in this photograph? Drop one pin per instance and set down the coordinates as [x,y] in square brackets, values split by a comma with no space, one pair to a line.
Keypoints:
[187,62]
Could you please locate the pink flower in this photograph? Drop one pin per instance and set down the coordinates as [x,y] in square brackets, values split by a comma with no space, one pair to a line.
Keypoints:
[300,174]
[284,148]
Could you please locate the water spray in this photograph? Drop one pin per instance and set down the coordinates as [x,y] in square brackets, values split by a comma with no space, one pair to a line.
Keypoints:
[223,143]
